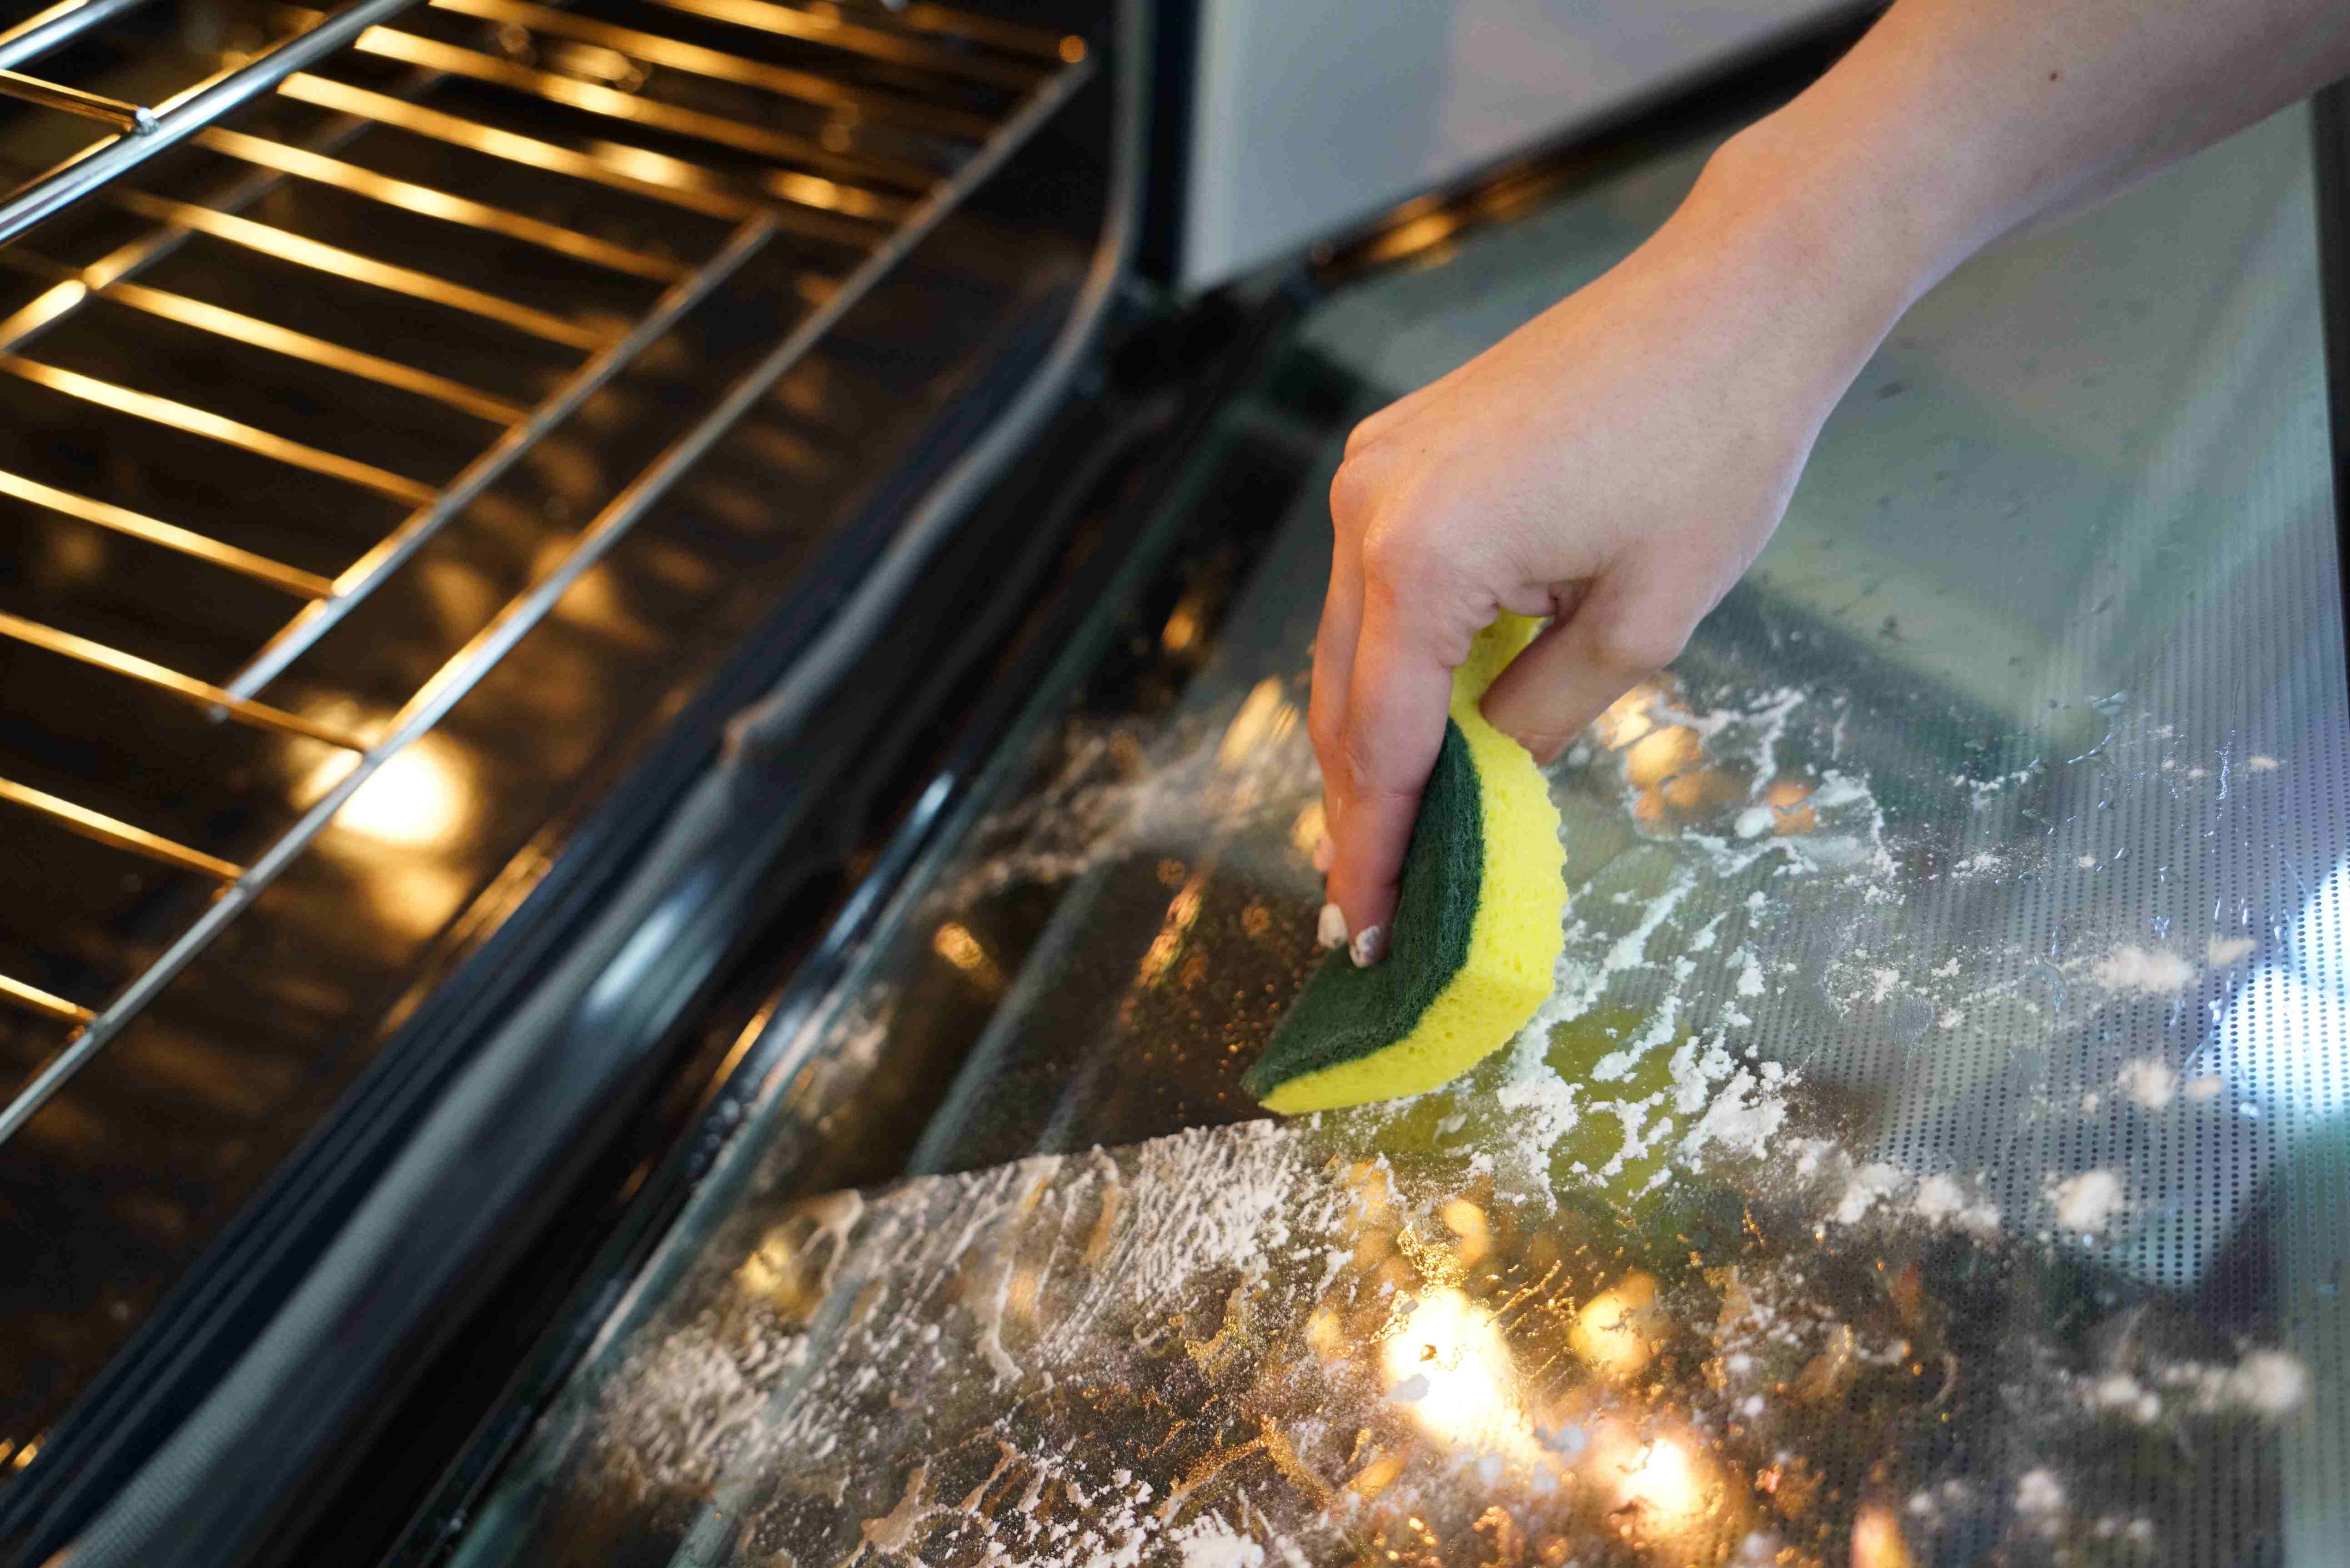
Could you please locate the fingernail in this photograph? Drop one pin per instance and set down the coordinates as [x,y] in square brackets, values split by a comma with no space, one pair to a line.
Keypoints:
[1326,855]
[1370,946]
[1332,933]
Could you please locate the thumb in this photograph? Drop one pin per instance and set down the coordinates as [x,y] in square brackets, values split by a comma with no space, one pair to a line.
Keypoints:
[1614,639]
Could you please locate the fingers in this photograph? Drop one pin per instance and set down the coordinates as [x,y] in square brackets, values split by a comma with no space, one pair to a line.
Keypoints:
[1395,699]
[1326,719]
[1334,656]
[1617,637]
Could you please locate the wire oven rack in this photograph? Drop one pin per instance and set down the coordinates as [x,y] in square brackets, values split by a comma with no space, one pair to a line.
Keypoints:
[970,89]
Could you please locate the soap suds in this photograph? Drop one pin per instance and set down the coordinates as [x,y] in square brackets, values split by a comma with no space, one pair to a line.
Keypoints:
[2271,1383]
[2148,1083]
[1211,1545]
[2141,972]
[1870,1184]
[2087,1203]
[2221,951]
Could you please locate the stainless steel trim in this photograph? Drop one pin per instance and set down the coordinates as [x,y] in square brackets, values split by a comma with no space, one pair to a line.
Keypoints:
[427,202]
[466,667]
[1010,37]
[363,576]
[214,427]
[267,335]
[185,115]
[710,195]
[814,189]
[165,536]
[252,331]
[653,49]
[302,250]
[112,830]
[135,118]
[130,258]
[815,28]
[54,28]
[147,672]
[42,1002]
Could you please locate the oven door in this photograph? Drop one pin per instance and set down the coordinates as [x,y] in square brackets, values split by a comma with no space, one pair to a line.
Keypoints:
[1933,1149]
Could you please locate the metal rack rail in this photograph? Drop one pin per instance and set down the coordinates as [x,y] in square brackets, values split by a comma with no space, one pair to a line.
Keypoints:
[880,209]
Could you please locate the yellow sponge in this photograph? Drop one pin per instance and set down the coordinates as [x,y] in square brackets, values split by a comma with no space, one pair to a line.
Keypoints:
[1476,932]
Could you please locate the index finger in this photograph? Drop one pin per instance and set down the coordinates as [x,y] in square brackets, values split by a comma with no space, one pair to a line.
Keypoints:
[1397,697]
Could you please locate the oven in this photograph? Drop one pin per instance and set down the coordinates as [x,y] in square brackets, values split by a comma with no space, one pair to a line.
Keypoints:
[656,667]
[427,426]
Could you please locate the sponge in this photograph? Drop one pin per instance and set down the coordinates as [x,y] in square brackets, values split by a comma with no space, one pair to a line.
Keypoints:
[1476,933]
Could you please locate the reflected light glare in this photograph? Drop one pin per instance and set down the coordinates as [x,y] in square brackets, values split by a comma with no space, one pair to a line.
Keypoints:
[953,942]
[1607,1333]
[1789,813]
[1671,1486]
[1310,828]
[1181,633]
[2282,1045]
[1878,1540]
[1666,1483]
[1657,757]
[423,795]
[1264,718]
[1470,1398]
[1180,913]
[1626,718]
[1467,1221]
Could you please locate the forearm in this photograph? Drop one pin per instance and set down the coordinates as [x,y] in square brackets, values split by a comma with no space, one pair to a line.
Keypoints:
[1618,461]
[1954,121]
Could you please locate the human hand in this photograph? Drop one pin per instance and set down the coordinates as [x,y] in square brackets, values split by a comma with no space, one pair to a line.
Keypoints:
[1616,464]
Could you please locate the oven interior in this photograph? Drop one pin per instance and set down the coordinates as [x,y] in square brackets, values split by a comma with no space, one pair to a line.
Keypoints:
[417,415]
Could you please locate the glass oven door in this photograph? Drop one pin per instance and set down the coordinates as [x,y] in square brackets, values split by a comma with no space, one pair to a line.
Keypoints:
[1934,1150]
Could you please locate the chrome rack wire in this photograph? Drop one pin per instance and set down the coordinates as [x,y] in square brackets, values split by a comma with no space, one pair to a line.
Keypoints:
[840,205]
[150,130]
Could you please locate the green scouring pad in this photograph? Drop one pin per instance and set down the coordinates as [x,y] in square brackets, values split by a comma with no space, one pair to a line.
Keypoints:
[1477,928]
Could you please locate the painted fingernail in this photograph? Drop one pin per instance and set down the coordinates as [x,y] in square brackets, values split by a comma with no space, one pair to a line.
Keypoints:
[1332,933]
[1326,855]
[1370,946]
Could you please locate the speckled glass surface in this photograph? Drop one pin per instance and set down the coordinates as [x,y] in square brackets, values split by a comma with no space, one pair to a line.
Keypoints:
[1934,1151]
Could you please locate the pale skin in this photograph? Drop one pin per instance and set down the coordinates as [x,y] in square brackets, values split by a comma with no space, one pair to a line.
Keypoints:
[1617,463]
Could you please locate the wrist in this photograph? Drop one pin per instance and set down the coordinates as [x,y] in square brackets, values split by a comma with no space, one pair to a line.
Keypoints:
[1794,219]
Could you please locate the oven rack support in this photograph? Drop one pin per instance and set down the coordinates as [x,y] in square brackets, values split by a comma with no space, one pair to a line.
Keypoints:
[883,226]
[140,131]
[147,131]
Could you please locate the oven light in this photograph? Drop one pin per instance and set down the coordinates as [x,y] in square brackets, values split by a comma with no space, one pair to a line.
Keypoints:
[1607,1332]
[422,796]
[1662,1484]
[1450,1367]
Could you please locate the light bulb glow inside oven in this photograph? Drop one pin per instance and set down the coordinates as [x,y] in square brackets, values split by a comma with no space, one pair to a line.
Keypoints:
[1450,1368]
[423,796]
